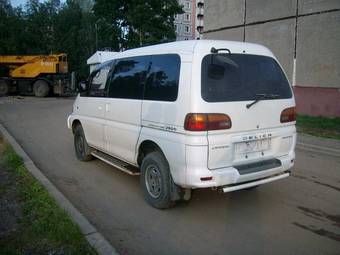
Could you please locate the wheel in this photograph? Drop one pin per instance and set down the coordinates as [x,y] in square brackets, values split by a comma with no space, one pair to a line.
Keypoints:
[83,150]
[41,88]
[156,180]
[3,88]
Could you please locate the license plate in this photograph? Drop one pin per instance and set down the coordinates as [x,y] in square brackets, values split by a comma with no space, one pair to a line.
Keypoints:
[252,146]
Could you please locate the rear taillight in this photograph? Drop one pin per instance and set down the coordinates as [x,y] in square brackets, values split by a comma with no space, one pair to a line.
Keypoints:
[206,121]
[288,115]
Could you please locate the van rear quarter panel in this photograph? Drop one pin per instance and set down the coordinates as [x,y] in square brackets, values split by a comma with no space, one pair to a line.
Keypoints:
[163,122]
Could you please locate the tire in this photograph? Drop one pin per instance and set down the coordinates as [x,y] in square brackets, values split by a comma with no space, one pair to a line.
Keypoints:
[155,180]
[82,149]
[3,88]
[41,88]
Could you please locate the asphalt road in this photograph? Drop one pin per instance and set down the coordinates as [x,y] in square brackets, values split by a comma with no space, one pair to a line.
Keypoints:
[297,215]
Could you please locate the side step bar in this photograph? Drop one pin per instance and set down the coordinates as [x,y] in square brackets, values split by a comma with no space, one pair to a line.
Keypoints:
[254,183]
[121,165]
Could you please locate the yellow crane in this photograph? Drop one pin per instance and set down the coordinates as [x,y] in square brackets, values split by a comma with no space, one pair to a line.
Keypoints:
[38,74]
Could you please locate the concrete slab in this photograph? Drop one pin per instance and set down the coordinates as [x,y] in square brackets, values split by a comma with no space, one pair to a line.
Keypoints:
[317,101]
[309,6]
[234,34]
[260,10]
[318,51]
[279,37]
[218,14]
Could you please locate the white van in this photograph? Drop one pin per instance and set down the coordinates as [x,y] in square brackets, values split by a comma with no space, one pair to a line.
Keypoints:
[188,115]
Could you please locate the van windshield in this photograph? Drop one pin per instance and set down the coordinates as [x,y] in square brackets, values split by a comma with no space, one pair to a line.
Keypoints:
[241,77]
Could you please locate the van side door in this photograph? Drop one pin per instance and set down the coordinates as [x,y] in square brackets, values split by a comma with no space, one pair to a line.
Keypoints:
[124,105]
[92,107]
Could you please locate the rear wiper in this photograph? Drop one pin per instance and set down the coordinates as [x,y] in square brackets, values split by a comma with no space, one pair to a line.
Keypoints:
[260,97]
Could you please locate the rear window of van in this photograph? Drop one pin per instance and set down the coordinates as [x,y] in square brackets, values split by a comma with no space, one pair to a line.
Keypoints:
[241,77]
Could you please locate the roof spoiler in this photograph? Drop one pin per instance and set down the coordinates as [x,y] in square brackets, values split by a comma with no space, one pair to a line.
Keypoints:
[214,50]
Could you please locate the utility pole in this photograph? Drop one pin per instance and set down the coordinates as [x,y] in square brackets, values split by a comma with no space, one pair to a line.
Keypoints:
[96,28]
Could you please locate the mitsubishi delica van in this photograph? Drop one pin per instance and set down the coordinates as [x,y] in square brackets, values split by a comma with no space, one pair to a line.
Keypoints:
[189,115]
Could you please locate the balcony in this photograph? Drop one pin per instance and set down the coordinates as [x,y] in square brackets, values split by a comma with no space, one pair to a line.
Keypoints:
[200,3]
[199,29]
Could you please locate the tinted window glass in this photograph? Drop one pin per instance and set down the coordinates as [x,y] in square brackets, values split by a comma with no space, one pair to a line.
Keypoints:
[98,81]
[163,78]
[240,77]
[129,77]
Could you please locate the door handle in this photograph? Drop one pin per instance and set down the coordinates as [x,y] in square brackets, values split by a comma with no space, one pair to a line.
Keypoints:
[107,107]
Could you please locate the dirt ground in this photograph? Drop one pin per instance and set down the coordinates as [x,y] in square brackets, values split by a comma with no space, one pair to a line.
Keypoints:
[296,215]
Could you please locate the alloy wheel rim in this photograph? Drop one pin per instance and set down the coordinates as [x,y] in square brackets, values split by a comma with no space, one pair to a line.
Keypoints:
[153,181]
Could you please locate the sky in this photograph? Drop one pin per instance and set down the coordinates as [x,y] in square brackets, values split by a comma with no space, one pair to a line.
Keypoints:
[16,3]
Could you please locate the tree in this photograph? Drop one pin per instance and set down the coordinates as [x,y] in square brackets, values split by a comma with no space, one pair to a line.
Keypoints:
[139,22]
[78,29]
[152,21]
[85,5]
[10,24]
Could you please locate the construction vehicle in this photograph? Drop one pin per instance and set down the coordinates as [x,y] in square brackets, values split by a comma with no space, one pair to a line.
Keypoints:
[39,75]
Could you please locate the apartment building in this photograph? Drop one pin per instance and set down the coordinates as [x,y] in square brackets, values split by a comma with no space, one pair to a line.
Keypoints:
[303,34]
[189,25]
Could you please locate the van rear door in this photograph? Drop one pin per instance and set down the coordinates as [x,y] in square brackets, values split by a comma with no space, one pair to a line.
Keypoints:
[253,91]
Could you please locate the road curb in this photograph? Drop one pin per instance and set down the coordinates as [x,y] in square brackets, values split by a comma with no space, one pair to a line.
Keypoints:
[318,149]
[95,239]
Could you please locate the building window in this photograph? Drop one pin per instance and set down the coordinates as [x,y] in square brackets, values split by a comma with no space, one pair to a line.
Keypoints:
[187,17]
[187,29]
[187,5]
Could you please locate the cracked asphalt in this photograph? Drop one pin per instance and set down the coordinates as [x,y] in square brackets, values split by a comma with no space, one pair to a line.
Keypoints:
[297,215]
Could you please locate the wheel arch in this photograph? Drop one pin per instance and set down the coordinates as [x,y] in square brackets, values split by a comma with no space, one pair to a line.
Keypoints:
[145,147]
[75,123]
[173,152]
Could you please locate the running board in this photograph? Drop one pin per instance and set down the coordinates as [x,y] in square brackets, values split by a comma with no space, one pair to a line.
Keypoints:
[121,165]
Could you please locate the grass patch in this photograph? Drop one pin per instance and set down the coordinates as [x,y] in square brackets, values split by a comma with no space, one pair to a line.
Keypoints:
[44,228]
[319,126]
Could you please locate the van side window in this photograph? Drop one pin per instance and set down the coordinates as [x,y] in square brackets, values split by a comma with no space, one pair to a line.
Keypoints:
[163,78]
[129,77]
[98,82]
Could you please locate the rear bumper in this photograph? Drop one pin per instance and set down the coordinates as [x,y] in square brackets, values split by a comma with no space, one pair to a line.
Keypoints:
[231,176]
[255,183]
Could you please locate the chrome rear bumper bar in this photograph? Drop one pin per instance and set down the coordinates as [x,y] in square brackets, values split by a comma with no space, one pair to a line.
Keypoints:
[254,183]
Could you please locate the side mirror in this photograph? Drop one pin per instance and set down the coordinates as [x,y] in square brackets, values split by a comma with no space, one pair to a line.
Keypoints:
[83,86]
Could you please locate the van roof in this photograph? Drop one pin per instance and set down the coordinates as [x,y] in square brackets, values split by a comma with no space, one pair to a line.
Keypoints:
[196,46]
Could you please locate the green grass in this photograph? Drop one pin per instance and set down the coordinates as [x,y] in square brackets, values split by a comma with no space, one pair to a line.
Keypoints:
[44,227]
[319,126]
